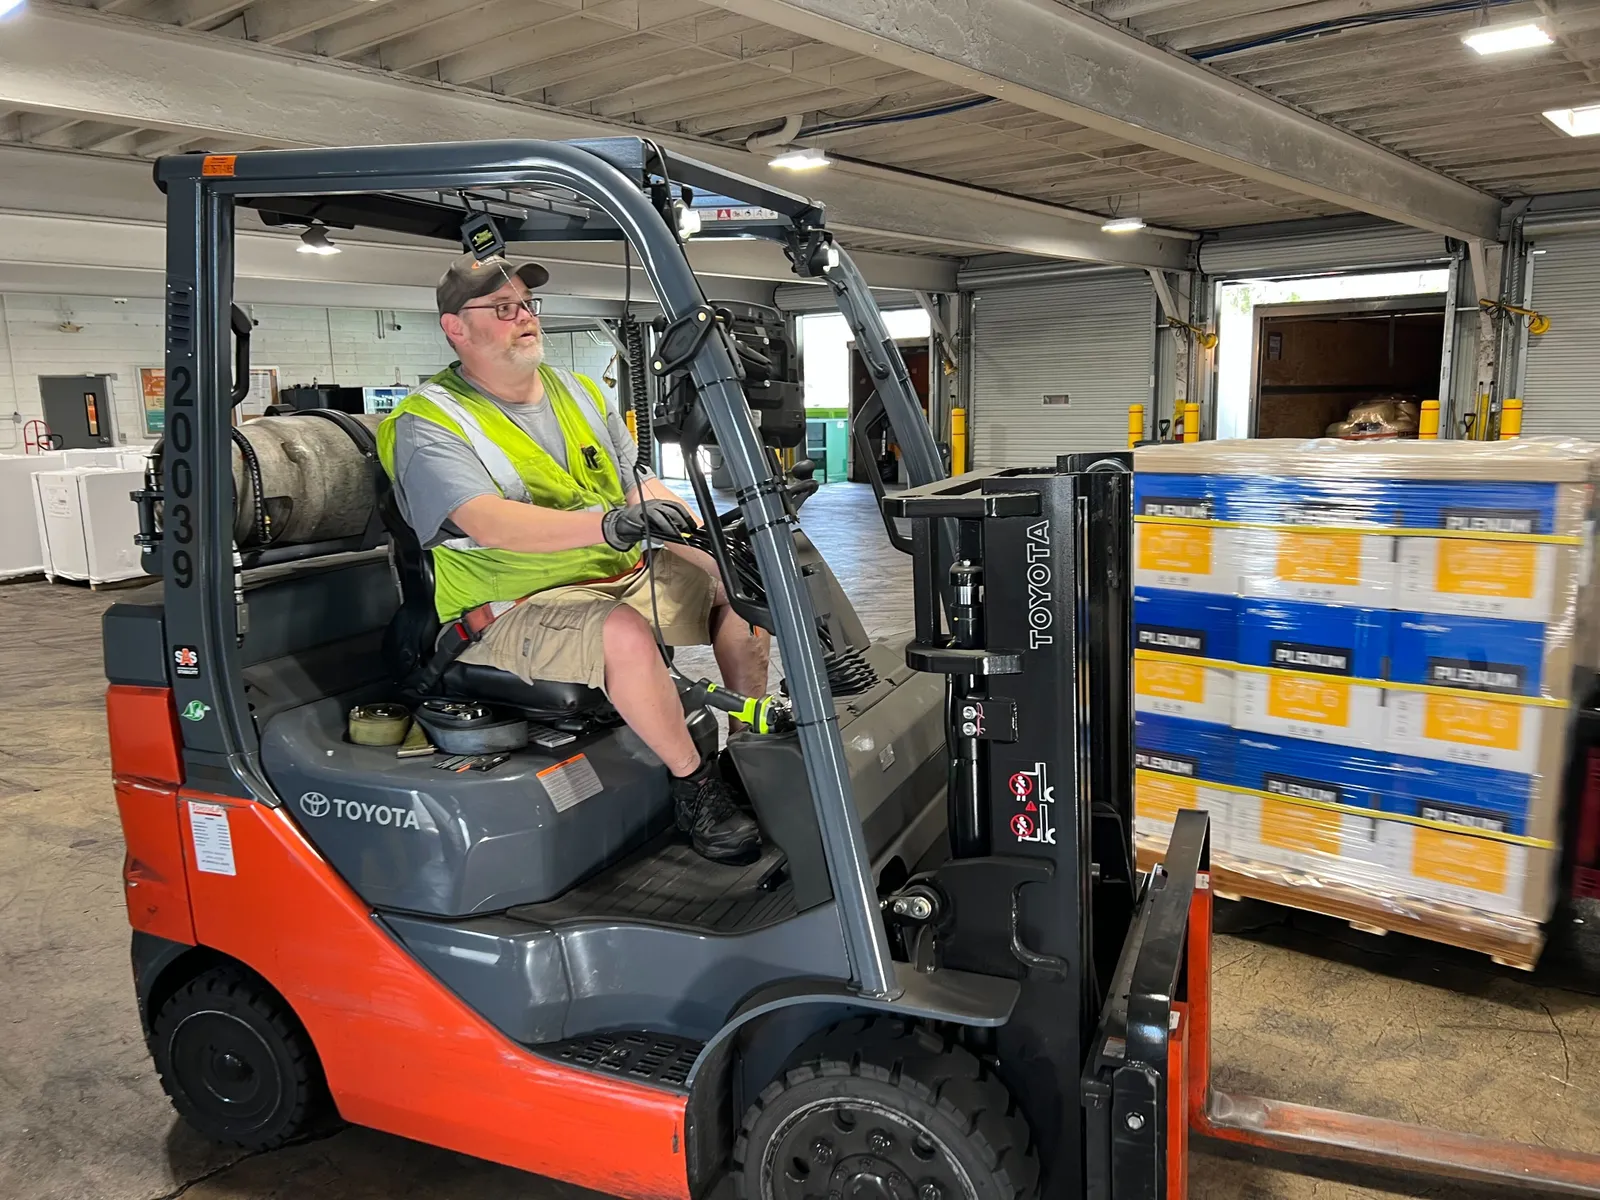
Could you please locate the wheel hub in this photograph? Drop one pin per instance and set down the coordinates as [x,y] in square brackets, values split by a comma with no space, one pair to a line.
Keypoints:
[866,1177]
[857,1150]
[224,1066]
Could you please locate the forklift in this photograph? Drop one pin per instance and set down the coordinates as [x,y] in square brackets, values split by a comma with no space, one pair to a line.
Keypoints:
[944,977]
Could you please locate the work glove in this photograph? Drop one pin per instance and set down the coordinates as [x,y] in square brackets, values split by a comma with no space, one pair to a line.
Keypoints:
[625,528]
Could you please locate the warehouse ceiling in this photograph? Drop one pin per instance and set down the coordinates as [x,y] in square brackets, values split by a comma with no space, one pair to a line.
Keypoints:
[1393,72]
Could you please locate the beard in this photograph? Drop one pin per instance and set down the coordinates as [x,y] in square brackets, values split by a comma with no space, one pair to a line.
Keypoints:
[527,352]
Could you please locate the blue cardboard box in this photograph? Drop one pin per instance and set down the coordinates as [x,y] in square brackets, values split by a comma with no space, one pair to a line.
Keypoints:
[1315,657]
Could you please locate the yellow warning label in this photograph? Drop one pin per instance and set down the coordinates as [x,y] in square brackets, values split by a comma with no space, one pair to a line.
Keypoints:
[1296,698]
[1170,680]
[1182,548]
[1470,862]
[1472,722]
[1326,558]
[1304,830]
[1501,569]
[1160,799]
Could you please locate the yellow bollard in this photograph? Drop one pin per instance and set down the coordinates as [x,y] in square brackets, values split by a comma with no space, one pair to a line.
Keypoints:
[1135,425]
[1428,422]
[1191,422]
[1510,419]
[958,441]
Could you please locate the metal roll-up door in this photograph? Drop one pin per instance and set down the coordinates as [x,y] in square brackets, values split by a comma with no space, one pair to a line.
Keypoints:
[1561,385]
[818,297]
[1353,249]
[1090,340]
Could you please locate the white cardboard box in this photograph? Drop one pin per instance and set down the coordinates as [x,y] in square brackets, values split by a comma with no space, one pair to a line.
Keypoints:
[87,522]
[21,552]
[1187,558]
[1323,565]
[1183,689]
[1319,708]
[1516,581]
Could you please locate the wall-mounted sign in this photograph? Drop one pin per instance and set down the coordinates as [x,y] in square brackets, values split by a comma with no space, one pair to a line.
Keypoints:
[153,394]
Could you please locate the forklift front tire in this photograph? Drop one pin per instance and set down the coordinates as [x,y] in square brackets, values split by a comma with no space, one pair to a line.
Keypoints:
[887,1108]
[235,1061]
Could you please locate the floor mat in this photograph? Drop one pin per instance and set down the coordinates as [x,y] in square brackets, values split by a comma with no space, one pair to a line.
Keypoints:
[669,883]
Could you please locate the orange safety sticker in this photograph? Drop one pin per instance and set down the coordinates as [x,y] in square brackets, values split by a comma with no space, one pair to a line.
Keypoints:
[218,164]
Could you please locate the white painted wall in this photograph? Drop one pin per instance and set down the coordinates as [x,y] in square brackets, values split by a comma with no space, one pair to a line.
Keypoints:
[346,346]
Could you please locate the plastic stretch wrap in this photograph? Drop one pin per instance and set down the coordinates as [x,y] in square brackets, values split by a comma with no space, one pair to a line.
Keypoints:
[1359,658]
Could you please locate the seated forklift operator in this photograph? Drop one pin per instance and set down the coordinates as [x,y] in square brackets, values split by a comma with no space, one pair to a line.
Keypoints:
[520,479]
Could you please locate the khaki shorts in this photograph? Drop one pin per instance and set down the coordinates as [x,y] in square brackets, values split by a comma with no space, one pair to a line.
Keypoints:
[557,635]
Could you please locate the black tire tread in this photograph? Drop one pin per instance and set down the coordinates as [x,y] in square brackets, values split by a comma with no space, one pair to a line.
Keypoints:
[238,987]
[911,1057]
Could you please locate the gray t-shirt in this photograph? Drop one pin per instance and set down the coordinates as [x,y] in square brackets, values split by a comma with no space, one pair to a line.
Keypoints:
[437,472]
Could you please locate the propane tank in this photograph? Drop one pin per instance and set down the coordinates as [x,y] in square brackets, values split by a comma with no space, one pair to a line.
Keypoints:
[316,483]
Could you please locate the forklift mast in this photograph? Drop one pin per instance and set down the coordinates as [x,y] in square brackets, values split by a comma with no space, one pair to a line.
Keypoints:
[1042,885]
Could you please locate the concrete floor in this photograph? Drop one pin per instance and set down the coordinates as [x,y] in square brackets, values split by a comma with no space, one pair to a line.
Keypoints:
[1307,1009]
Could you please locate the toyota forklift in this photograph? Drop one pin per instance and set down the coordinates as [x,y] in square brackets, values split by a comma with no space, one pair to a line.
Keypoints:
[944,978]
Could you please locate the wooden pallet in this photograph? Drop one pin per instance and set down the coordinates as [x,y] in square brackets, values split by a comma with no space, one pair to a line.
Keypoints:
[1508,941]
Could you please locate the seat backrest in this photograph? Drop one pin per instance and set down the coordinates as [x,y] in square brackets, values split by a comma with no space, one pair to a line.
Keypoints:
[408,643]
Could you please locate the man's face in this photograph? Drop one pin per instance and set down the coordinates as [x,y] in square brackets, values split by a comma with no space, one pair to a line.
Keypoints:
[483,340]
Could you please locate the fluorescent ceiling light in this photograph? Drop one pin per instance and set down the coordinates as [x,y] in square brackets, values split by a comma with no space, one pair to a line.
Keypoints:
[1122,225]
[1575,122]
[1498,39]
[808,159]
[314,240]
[7,7]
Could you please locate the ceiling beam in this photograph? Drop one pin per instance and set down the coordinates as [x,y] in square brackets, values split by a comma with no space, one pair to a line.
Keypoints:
[91,189]
[80,65]
[1058,59]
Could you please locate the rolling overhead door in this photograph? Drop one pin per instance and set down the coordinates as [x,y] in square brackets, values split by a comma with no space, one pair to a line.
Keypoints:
[1346,250]
[1561,386]
[1055,366]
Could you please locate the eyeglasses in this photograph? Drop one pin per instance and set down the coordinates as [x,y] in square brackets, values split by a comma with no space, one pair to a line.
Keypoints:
[509,310]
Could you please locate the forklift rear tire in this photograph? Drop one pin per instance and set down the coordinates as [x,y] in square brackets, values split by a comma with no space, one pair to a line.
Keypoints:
[236,1063]
[886,1109]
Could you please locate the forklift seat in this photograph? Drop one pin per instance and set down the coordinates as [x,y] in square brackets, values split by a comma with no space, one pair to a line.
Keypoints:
[409,642]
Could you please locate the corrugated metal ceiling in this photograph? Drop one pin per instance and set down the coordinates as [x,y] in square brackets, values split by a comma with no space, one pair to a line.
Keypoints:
[1404,81]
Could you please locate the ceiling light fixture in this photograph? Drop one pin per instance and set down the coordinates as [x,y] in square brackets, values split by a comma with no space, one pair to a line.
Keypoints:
[315,241]
[7,7]
[1575,122]
[1500,39]
[807,159]
[1122,225]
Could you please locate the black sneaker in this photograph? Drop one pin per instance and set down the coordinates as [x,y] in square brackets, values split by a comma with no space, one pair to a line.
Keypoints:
[704,807]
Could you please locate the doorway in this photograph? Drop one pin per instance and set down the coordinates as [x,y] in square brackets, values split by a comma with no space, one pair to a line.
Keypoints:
[78,410]
[880,436]
[1319,364]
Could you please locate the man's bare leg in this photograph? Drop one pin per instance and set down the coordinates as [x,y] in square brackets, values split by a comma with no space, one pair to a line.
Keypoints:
[743,654]
[643,693]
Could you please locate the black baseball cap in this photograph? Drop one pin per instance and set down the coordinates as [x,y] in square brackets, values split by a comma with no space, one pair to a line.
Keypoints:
[469,277]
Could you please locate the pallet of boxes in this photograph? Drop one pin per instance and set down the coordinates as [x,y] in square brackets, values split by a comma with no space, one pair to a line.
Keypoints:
[1359,657]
